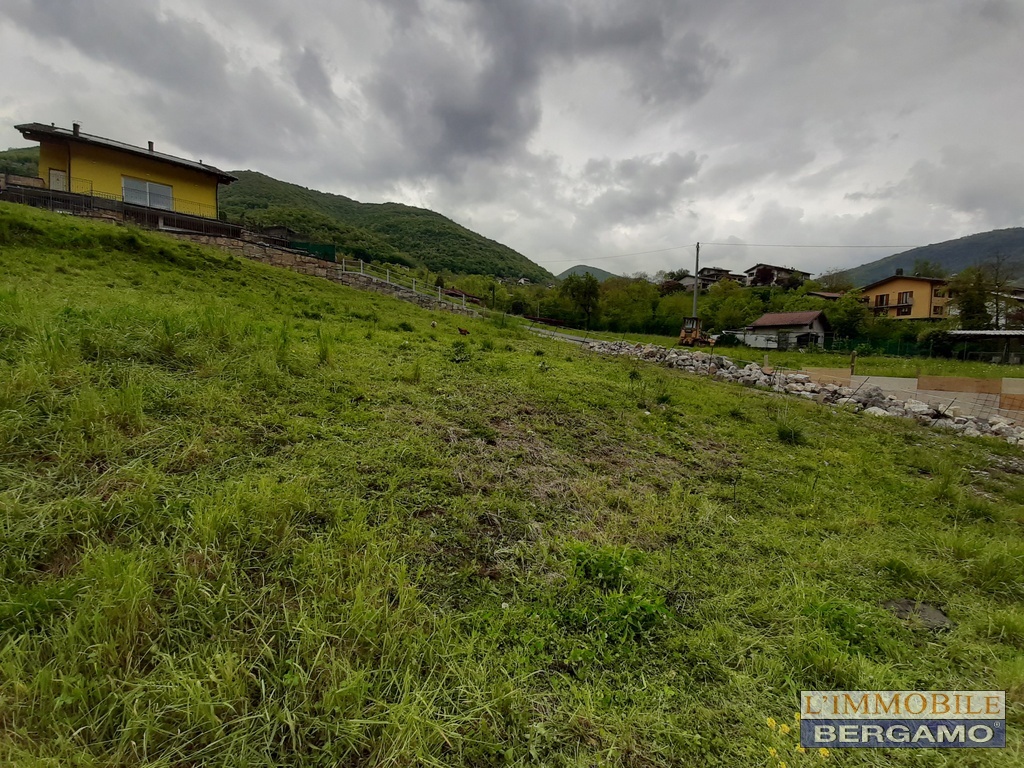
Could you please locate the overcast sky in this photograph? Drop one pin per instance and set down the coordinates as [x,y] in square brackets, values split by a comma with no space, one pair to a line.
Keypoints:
[570,130]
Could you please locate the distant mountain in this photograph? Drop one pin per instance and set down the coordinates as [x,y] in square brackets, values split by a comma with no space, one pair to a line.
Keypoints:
[389,232]
[581,269]
[952,255]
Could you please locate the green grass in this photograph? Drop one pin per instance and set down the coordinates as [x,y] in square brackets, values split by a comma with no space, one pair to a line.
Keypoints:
[880,365]
[253,518]
[867,365]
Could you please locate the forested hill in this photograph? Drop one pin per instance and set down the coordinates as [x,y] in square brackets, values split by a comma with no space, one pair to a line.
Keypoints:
[423,235]
[374,231]
[582,269]
[951,255]
[20,162]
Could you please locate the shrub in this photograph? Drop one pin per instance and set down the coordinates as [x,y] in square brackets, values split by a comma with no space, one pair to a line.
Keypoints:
[460,352]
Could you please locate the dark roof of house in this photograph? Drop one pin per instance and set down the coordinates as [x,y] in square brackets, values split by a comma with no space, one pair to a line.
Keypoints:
[39,132]
[904,277]
[780,319]
[773,266]
[826,294]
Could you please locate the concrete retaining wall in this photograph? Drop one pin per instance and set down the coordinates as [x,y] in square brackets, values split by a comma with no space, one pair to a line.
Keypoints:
[974,397]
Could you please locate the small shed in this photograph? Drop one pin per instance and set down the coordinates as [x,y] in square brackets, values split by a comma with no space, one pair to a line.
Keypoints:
[787,330]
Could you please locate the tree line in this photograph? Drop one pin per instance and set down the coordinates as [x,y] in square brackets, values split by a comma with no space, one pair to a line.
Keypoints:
[645,304]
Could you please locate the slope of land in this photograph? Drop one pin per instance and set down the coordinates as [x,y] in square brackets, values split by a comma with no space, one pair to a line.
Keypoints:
[952,255]
[389,232]
[582,269]
[251,517]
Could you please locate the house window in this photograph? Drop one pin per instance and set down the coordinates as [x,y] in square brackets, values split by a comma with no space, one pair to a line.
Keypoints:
[937,293]
[936,310]
[905,297]
[882,300]
[903,311]
[148,193]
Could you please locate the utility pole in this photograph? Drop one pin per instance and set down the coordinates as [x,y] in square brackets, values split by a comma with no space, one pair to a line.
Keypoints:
[696,282]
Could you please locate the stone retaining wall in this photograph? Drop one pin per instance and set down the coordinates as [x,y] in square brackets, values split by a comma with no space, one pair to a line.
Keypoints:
[870,400]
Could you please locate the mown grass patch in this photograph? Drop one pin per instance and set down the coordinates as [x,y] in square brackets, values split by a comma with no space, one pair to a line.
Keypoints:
[253,518]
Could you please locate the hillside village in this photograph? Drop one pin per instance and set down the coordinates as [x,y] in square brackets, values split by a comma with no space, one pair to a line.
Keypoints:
[766,306]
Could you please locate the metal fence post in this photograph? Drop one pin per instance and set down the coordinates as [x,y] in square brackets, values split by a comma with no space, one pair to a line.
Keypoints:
[360,266]
[387,278]
[342,263]
[414,285]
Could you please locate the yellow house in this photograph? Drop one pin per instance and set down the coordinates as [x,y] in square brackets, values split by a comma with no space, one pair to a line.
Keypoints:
[908,297]
[76,162]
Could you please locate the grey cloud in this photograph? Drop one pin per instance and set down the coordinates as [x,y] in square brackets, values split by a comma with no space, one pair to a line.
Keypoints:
[637,188]
[975,182]
[176,53]
[488,110]
[188,82]
[473,92]
[310,75]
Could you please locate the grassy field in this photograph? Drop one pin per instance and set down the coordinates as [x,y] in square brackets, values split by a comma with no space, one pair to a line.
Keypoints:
[251,518]
[867,365]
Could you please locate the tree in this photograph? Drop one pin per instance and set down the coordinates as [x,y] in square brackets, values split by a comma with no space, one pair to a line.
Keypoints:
[926,268]
[728,305]
[584,292]
[1000,272]
[677,274]
[969,293]
[835,281]
[848,316]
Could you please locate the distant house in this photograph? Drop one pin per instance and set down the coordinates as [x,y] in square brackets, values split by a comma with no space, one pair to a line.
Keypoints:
[101,169]
[908,297]
[826,295]
[786,330]
[769,274]
[708,276]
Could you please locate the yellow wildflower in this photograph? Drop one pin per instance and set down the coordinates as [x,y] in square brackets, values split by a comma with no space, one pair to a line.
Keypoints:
[823,752]
[796,716]
[771,722]
[772,751]
[784,728]
[801,750]
[782,765]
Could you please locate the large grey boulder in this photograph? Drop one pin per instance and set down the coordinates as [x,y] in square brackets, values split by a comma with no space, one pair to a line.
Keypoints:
[876,411]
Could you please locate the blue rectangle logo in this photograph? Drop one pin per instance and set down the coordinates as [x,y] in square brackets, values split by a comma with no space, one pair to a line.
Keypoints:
[902,719]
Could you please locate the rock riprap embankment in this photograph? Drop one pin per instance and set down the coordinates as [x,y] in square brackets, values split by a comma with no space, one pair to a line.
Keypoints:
[869,400]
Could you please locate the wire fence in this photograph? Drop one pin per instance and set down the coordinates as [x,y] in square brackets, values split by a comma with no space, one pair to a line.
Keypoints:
[399,279]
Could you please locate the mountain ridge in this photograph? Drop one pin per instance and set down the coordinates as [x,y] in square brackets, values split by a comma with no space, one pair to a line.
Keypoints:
[951,255]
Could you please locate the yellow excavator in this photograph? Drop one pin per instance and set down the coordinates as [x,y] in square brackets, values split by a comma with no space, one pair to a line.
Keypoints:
[692,336]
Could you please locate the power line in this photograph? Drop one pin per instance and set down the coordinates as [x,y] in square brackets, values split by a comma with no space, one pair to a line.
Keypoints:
[744,245]
[783,245]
